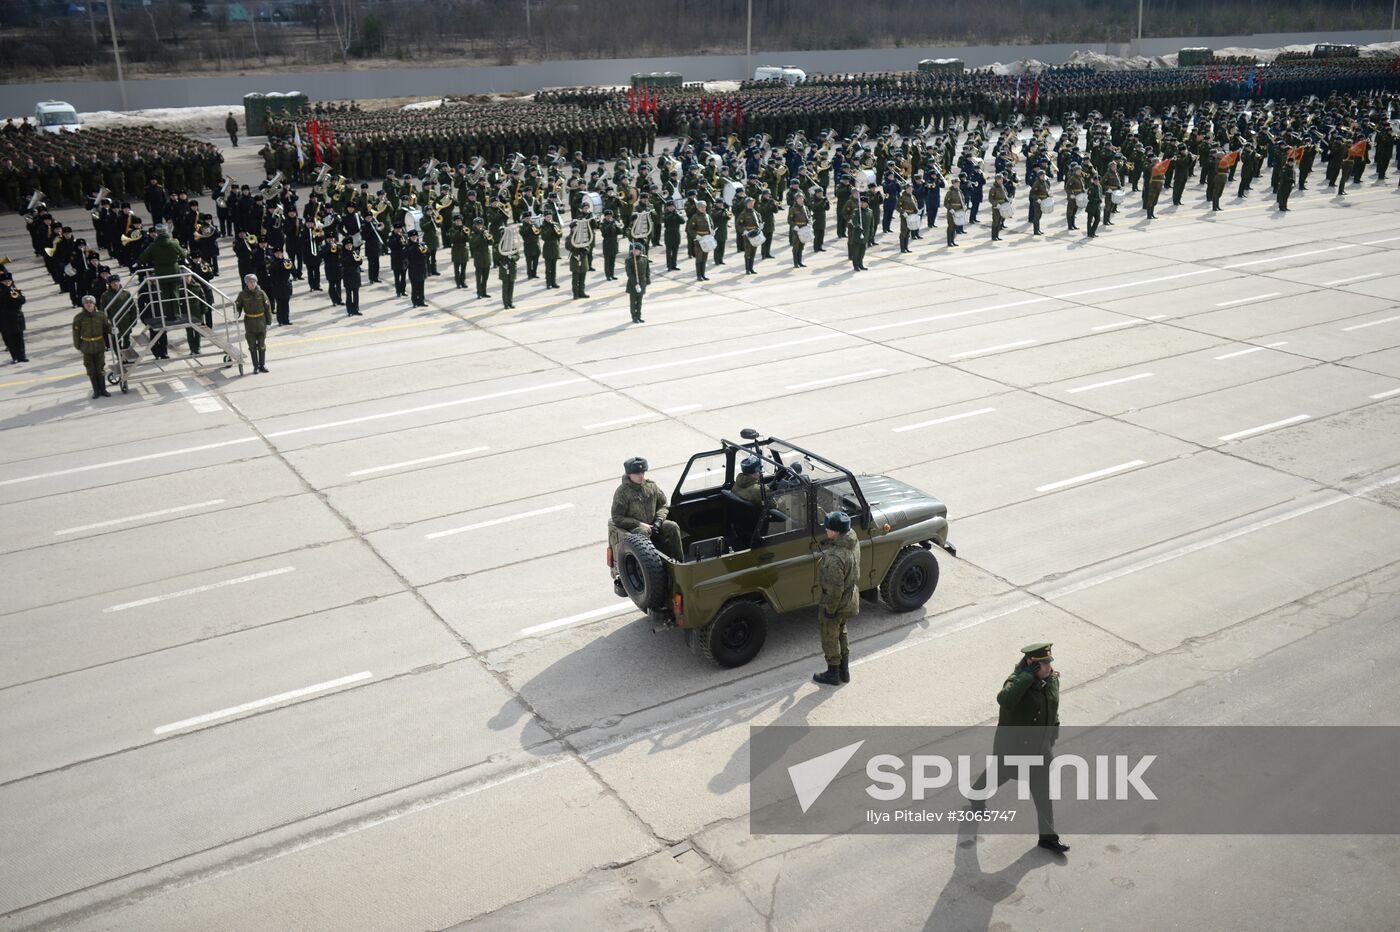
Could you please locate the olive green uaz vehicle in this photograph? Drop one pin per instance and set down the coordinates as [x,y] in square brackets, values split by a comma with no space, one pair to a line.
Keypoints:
[744,562]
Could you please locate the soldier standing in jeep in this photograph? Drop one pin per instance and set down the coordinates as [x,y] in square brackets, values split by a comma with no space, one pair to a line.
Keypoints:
[838,573]
[639,506]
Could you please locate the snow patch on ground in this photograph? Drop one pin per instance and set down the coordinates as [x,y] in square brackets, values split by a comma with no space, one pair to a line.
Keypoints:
[179,119]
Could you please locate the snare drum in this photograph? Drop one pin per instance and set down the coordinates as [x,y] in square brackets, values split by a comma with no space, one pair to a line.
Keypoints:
[805,234]
[707,243]
[915,222]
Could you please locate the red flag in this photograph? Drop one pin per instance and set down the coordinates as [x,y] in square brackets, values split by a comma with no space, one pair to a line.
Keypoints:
[1295,154]
[1357,150]
[654,96]
[631,100]
[738,113]
[1227,161]
[315,142]
[1160,169]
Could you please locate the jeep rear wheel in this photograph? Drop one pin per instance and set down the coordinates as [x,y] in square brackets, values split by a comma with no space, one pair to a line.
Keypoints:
[643,572]
[736,634]
[911,579]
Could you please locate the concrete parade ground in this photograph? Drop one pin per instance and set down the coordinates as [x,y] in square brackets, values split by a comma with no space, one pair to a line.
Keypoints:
[335,647]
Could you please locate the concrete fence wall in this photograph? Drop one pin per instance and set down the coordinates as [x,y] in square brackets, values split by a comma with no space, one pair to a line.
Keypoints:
[19,99]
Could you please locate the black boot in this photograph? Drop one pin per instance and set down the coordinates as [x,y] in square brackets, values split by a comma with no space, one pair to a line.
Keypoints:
[832,676]
[845,668]
[1053,843]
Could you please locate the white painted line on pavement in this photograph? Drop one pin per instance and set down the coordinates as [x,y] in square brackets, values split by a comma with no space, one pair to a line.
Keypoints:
[1263,427]
[1370,323]
[1352,278]
[1096,474]
[1126,378]
[1296,255]
[728,354]
[197,589]
[123,462]
[942,420]
[201,401]
[646,416]
[992,349]
[425,459]
[1121,323]
[1377,242]
[1257,297]
[419,409]
[149,514]
[436,535]
[848,377]
[949,316]
[1252,349]
[1379,395]
[1144,281]
[579,618]
[263,703]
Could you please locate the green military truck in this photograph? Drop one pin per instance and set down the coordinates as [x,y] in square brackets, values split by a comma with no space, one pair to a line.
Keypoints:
[744,563]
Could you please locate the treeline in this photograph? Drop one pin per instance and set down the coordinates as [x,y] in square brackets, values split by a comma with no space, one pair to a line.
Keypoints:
[44,38]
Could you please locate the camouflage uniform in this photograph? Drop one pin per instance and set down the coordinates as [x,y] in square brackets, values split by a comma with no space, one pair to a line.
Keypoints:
[634,504]
[838,572]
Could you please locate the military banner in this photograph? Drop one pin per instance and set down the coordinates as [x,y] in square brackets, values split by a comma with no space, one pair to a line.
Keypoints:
[1227,161]
[1161,167]
[1296,154]
[1357,150]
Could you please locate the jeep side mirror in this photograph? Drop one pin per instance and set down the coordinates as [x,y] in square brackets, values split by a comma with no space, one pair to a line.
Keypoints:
[748,433]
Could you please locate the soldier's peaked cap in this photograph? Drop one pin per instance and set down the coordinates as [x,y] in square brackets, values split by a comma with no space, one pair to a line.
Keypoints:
[1038,651]
[634,465]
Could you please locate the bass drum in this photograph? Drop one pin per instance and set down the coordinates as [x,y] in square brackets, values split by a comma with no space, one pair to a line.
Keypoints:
[730,189]
[596,199]
[865,176]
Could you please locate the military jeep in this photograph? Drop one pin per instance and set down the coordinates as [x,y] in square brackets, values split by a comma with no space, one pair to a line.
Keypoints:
[744,562]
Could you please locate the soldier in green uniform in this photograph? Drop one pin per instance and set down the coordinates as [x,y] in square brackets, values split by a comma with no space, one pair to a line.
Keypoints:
[480,243]
[231,127]
[838,575]
[550,234]
[1029,723]
[746,223]
[748,485]
[862,221]
[91,329]
[457,241]
[254,306]
[638,269]
[120,311]
[164,255]
[1286,178]
[639,507]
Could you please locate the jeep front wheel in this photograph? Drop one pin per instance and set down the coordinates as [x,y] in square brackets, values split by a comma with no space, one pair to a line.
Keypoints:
[736,634]
[643,572]
[911,579]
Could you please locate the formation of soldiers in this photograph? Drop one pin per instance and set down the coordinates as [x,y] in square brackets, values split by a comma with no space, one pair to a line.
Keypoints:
[69,168]
[710,196]
[361,145]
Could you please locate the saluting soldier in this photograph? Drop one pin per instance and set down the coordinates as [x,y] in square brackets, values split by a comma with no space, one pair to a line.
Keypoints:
[349,280]
[480,241]
[1029,723]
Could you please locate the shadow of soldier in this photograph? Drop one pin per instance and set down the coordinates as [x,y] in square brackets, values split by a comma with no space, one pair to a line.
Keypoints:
[737,771]
[971,894]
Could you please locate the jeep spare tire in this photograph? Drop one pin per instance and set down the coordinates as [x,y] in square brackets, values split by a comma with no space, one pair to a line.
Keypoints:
[642,570]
